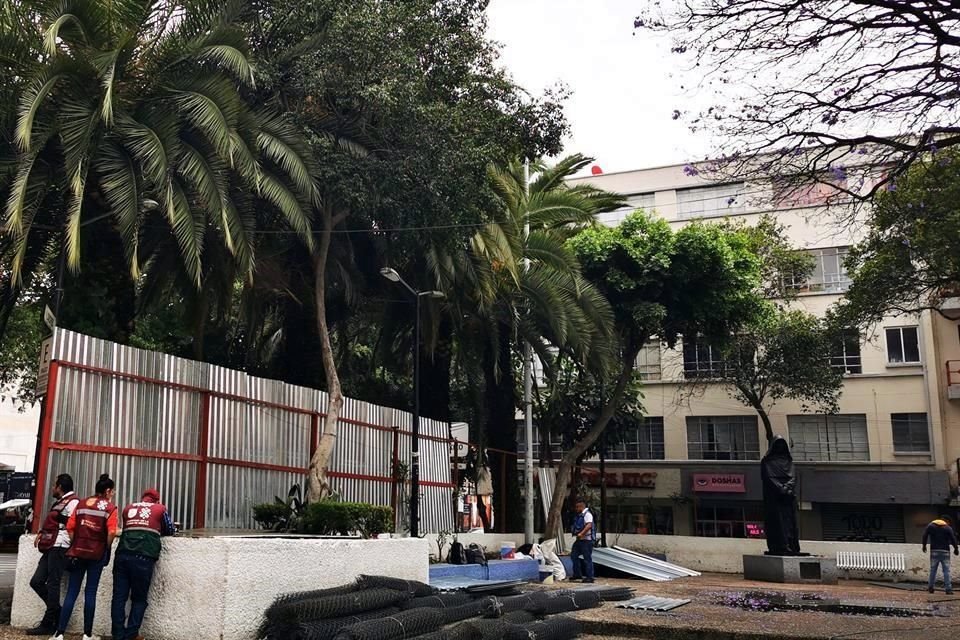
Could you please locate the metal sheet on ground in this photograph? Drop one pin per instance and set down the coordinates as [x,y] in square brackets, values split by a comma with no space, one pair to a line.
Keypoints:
[457,583]
[902,586]
[653,603]
[668,566]
[638,565]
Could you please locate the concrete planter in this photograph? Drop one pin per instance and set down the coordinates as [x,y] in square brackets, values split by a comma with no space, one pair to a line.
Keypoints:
[218,588]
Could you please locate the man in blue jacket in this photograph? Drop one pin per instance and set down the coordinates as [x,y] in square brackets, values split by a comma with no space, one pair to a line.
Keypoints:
[582,551]
[941,537]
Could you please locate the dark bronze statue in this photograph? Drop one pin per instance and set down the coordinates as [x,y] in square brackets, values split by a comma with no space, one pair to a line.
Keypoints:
[780,500]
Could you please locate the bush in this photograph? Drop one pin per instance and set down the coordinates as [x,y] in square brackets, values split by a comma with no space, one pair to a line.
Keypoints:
[346,518]
[271,515]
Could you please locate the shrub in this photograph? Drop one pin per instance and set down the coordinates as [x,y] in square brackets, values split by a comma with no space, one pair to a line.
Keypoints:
[281,515]
[270,515]
[345,518]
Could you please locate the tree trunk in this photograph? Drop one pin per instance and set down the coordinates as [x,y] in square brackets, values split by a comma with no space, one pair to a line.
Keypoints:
[317,487]
[435,375]
[755,400]
[765,419]
[501,432]
[569,460]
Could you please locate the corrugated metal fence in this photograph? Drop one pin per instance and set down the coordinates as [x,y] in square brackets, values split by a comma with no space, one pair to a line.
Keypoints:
[216,441]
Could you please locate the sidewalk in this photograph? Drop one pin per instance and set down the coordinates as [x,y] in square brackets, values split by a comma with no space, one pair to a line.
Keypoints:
[707,617]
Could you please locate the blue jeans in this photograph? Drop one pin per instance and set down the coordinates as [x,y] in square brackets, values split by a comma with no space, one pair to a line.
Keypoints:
[92,571]
[131,579]
[582,556]
[939,558]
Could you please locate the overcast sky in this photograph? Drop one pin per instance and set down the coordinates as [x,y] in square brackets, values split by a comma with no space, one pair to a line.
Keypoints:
[624,85]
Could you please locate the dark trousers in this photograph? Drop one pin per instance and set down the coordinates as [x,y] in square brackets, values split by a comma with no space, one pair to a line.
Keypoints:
[91,571]
[132,575]
[46,583]
[582,556]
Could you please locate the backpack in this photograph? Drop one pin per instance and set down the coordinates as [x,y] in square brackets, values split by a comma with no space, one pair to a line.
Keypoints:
[475,555]
[457,554]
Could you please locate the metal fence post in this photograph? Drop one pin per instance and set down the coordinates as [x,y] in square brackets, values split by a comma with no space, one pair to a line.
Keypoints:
[395,484]
[46,429]
[200,510]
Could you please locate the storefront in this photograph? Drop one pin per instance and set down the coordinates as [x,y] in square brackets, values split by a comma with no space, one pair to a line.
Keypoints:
[726,502]
[639,500]
[870,506]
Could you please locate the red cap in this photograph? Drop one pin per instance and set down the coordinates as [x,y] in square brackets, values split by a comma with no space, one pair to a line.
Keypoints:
[152,494]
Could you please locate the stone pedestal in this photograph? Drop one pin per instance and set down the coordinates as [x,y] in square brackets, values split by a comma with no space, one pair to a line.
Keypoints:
[792,569]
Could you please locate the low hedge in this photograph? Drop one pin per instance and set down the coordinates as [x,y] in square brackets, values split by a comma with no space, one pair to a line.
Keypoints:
[271,515]
[346,518]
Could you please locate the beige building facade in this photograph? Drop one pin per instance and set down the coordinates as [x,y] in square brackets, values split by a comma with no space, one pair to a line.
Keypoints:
[877,471]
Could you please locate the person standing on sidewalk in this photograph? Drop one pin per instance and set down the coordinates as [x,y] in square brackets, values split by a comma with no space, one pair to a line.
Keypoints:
[582,551]
[92,528]
[941,537]
[144,523]
[53,542]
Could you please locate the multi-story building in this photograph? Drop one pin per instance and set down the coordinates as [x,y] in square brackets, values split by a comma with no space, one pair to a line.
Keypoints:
[879,470]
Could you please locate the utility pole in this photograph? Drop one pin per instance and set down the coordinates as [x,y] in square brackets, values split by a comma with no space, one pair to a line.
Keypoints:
[528,532]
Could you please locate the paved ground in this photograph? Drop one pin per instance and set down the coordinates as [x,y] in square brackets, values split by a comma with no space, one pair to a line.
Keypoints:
[8,569]
[707,618]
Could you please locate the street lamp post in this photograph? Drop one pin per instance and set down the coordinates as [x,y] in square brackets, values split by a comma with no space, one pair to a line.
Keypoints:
[393,276]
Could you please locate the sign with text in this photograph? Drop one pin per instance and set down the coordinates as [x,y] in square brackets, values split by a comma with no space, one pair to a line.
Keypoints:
[625,479]
[719,483]
[43,370]
[754,530]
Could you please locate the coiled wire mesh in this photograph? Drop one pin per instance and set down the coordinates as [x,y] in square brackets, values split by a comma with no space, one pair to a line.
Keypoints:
[556,628]
[564,603]
[439,601]
[399,626]
[414,588]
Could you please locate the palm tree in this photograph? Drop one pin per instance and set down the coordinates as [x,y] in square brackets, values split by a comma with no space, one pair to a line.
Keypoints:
[140,111]
[519,282]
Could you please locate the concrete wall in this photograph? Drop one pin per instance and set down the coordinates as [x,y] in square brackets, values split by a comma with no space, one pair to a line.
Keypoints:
[18,434]
[218,588]
[725,555]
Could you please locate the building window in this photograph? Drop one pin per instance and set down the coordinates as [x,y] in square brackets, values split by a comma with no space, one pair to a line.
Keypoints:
[556,443]
[903,345]
[819,438]
[910,433]
[718,200]
[648,361]
[727,520]
[643,443]
[789,193]
[723,438]
[846,352]
[634,202]
[829,273]
[701,360]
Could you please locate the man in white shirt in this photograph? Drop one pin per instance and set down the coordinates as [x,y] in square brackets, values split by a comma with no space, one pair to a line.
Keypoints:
[53,542]
[582,551]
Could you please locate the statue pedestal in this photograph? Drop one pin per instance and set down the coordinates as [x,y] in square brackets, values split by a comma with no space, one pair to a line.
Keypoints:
[792,569]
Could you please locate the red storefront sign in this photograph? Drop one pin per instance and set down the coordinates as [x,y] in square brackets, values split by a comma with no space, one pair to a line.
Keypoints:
[719,483]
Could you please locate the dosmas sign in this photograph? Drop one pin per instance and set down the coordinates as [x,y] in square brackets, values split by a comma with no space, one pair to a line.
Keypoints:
[719,483]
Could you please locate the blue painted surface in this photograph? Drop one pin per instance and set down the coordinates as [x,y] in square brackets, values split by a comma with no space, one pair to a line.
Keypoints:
[525,569]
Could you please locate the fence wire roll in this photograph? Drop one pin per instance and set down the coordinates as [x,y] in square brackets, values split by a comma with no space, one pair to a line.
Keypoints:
[337,606]
[556,628]
[399,626]
[326,629]
[611,594]
[563,604]
[455,632]
[278,610]
[497,629]
[499,606]
[439,601]
[414,588]
[469,610]
[519,617]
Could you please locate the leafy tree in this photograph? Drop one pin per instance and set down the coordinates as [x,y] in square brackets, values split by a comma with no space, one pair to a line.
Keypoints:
[404,107]
[781,354]
[872,77]
[910,257]
[702,280]
[135,115]
[520,282]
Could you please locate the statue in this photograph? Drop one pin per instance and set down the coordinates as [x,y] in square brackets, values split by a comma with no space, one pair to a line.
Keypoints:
[780,500]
